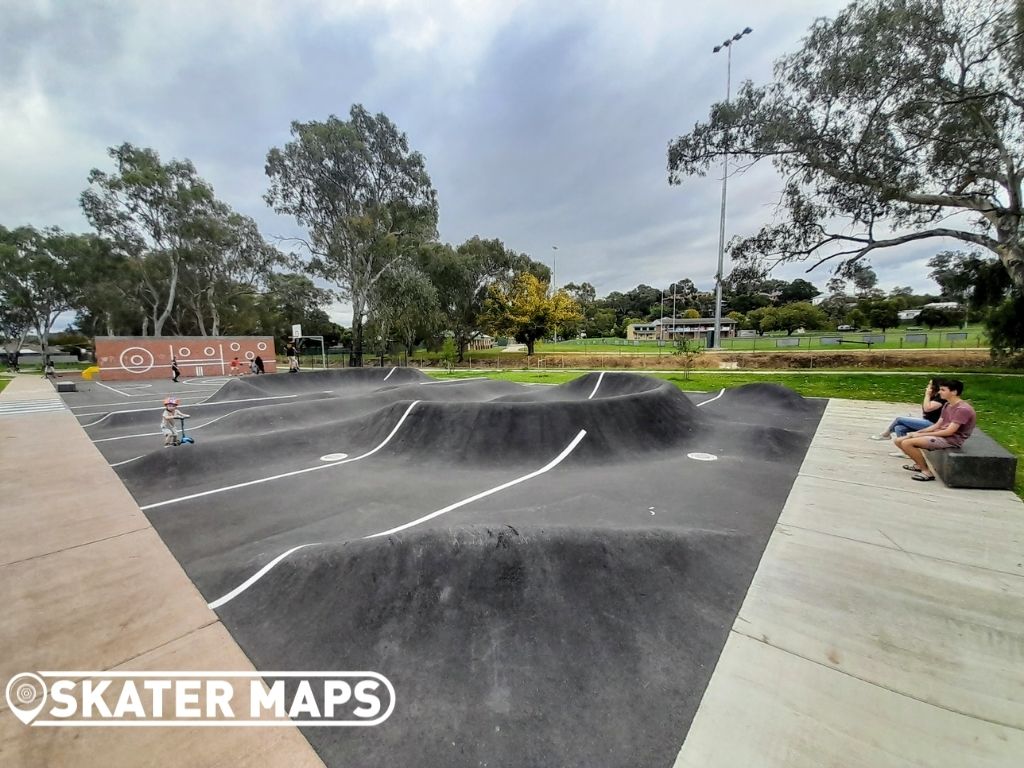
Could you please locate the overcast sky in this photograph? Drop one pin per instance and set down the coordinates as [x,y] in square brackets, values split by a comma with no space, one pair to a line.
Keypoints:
[543,124]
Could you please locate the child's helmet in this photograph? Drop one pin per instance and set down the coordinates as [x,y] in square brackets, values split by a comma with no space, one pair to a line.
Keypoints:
[172,401]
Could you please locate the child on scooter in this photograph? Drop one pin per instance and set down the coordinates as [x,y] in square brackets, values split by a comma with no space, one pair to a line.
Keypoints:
[171,412]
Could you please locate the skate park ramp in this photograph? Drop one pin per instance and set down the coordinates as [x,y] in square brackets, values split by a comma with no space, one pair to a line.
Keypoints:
[547,575]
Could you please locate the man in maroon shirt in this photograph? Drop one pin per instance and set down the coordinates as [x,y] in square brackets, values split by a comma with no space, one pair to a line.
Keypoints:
[953,427]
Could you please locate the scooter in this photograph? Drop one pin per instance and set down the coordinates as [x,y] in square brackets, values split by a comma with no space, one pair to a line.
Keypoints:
[184,439]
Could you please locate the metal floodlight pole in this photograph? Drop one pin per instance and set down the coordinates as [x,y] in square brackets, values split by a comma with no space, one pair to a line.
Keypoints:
[725,179]
[554,268]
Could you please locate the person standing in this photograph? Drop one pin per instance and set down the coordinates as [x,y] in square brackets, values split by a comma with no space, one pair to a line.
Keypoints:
[258,362]
[175,373]
[293,357]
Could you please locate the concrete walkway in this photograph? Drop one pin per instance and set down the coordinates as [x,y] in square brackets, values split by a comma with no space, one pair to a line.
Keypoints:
[884,626]
[88,585]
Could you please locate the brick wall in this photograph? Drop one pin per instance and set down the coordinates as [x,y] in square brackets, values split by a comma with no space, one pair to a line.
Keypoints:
[145,357]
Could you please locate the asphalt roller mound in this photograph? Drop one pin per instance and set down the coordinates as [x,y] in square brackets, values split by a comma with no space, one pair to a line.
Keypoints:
[507,647]
[546,574]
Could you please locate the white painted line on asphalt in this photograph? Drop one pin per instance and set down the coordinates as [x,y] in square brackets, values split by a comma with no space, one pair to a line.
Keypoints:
[288,474]
[118,391]
[182,397]
[712,399]
[458,381]
[193,405]
[118,464]
[266,569]
[254,578]
[389,373]
[19,410]
[549,466]
[600,376]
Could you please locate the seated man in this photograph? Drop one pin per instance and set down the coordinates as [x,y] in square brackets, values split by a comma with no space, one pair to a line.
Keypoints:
[953,428]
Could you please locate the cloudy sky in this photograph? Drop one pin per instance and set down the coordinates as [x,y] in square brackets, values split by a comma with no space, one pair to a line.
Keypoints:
[543,123]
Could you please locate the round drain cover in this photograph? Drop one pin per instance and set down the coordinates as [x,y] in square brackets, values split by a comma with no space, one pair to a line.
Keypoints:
[702,456]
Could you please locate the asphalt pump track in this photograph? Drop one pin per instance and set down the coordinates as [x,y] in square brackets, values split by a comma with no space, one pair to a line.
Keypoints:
[546,574]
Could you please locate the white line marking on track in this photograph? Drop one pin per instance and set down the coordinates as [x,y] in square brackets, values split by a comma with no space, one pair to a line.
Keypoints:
[182,397]
[549,466]
[266,569]
[153,434]
[118,464]
[288,474]
[389,373]
[458,381]
[118,391]
[192,405]
[601,376]
[254,578]
[712,399]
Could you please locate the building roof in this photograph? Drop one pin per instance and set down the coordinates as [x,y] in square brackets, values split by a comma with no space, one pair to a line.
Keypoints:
[685,321]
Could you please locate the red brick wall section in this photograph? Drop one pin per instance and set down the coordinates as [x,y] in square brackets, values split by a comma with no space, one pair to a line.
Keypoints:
[123,358]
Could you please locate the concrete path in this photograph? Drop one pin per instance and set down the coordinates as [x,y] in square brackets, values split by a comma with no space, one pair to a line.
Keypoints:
[87,584]
[884,626]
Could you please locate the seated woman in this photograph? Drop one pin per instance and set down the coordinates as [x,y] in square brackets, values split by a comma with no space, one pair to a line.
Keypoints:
[931,408]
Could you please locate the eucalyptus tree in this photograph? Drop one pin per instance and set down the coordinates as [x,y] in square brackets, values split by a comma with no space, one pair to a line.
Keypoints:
[461,277]
[40,276]
[229,259]
[404,307]
[897,121]
[363,196]
[158,215]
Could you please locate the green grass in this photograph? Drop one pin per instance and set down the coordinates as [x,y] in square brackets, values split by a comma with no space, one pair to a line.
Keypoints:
[894,339]
[3,383]
[997,399]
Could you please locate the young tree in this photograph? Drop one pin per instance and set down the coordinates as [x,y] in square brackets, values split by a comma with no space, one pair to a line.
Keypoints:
[764,319]
[883,315]
[364,197]
[403,307]
[154,213]
[893,116]
[799,315]
[460,277]
[526,312]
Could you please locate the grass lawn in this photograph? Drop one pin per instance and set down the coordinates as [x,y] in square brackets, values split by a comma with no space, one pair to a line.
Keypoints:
[3,383]
[894,339]
[997,399]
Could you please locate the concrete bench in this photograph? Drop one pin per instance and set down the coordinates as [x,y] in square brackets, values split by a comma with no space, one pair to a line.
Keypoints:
[980,463]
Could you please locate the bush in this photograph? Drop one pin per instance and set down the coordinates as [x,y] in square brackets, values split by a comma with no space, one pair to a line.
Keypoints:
[1005,326]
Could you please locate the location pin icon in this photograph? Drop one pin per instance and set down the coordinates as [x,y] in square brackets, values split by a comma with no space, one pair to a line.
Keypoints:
[26,695]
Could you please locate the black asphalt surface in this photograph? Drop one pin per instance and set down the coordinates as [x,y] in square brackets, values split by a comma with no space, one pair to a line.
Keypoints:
[572,617]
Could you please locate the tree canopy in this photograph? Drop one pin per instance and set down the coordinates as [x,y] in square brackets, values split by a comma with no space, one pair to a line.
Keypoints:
[363,195]
[894,115]
[526,312]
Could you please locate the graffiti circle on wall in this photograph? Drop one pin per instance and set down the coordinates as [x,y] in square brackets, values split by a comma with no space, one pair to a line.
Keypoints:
[137,360]
[262,346]
[235,346]
[184,351]
[209,351]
